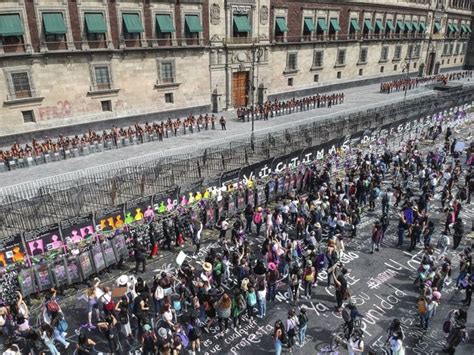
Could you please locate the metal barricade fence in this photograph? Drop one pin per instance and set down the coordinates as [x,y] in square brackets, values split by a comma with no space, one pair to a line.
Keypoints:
[42,202]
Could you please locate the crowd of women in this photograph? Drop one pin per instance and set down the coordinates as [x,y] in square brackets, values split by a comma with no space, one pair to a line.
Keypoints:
[299,237]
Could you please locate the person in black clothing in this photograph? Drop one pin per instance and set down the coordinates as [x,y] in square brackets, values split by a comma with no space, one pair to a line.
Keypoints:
[415,233]
[139,254]
[427,233]
[467,301]
[109,329]
[458,233]
[341,288]
[331,258]
[248,213]
[85,346]
[151,236]
[166,236]
[384,222]
[148,340]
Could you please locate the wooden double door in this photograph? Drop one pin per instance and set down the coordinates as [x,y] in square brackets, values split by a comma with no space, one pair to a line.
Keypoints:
[240,88]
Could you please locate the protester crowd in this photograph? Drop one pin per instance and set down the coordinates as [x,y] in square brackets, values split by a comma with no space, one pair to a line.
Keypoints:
[409,84]
[303,234]
[117,136]
[277,107]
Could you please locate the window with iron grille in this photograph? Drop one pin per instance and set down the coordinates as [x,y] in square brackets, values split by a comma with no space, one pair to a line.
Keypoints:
[410,51]
[398,52]
[102,78]
[167,72]
[458,47]
[169,98]
[318,58]
[363,55]
[445,49]
[384,54]
[21,84]
[28,116]
[417,51]
[451,48]
[341,57]
[292,61]
[106,105]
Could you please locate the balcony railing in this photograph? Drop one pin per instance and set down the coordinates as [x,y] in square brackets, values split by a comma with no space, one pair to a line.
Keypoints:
[97,44]
[350,37]
[56,46]
[240,40]
[162,42]
[13,48]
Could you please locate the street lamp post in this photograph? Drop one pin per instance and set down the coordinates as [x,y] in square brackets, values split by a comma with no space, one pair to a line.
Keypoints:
[257,53]
[406,66]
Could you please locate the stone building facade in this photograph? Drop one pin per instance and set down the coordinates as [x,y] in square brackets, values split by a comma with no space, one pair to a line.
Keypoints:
[73,61]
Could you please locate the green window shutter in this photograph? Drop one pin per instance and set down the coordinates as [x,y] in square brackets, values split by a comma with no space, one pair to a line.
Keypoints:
[309,24]
[241,23]
[193,25]
[378,25]
[400,25]
[368,25]
[416,26]
[132,23]
[422,27]
[463,29]
[355,25]
[450,28]
[95,23]
[54,23]
[10,25]
[335,25]
[468,29]
[281,24]
[456,29]
[408,26]
[437,26]
[390,25]
[164,24]
[322,24]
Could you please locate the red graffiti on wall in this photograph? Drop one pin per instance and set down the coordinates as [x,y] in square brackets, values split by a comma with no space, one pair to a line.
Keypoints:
[61,110]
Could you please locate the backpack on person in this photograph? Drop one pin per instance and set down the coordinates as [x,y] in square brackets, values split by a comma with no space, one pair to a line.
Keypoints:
[109,306]
[422,307]
[321,261]
[443,241]
[302,319]
[251,299]
[149,340]
[257,218]
[52,306]
[447,326]
[194,332]
[309,275]
[346,315]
